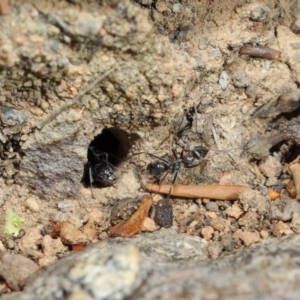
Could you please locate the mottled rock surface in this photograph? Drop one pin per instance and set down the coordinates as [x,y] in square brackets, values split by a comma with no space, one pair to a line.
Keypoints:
[167,265]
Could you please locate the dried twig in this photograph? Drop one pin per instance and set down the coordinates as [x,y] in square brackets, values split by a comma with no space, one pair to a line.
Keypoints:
[260,51]
[220,192]
[75,100]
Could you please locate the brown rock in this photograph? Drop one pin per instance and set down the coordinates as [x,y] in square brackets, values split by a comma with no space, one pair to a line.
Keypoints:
[31,240]
[52,247]
[95,215]
[250,219]
[90,230]
[281,228]
[70,235]
[207,232]
[149,225]
[211,214]
[264,234]
[234,211]
[247,237]
[218,224]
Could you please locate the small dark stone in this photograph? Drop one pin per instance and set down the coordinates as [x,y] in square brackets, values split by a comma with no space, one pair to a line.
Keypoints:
[163,213]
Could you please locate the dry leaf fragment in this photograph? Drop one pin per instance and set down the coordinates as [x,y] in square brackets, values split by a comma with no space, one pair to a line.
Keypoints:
[220,192]
[134,224]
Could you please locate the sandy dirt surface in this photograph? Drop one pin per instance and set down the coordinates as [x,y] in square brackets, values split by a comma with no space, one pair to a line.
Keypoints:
[179,81]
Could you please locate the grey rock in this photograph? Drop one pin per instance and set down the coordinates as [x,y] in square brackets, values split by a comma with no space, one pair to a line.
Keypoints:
[55,157]
[240,78]
[259,13]
[283,209]
[212,206]
[291,133]
[135,269]
[10,266]
[10,116]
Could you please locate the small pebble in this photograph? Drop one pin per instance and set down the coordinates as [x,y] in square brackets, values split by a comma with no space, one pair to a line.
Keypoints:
[207,232]
[32,204]
[240,79]
[215,53]
[218,224]
[296,26]
[177,8]
[228,242]
[211,214]
[27,84]
[163,214]
[11,244]
[264,234]
[234,211]
[259,13]
[247,237]
[271,181]
[212,206]
[103,235]
[149,225]
[223,80]
[214,250]
[36,111]
[44,105]
[281,228]
[270,166]
[244,109]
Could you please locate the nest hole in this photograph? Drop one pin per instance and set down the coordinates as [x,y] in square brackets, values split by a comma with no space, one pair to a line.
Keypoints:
[112,145]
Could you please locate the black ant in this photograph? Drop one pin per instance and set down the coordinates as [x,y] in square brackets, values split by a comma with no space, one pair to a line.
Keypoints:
[164,213]
[163,165]
[98,169]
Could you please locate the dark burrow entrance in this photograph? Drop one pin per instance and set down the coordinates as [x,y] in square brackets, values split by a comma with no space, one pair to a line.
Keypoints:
[106,152]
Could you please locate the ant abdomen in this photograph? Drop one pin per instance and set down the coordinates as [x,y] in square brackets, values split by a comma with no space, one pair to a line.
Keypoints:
[157,168]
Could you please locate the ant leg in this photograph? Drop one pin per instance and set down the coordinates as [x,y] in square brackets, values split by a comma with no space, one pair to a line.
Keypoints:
[175,154]
[172,184]
[196,114]
[91,180]
[163,178]
[158,157]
